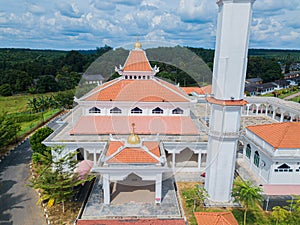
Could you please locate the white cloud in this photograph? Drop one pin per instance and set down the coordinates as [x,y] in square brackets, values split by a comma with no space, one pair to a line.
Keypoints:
[196,11]
[68,10]
[292,36]
[79,24]
[274,5]
[36,9]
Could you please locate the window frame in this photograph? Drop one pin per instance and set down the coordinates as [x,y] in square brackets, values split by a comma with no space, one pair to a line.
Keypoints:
[177,111]
[115,110]
[256,159]
[94,110]
[157,110]
[136,110]
[248,151]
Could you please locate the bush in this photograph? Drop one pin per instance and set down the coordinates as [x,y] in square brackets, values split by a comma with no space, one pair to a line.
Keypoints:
[38,137]
[5,90]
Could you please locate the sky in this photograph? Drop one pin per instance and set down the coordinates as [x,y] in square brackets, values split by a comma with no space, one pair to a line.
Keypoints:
[88,24]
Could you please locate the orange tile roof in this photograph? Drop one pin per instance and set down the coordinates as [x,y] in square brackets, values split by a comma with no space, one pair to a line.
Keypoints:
[207,89]
[143,125]
[226,102]
[189,90]
[138,91]
[131,221]
[215,218]
[133,155]
[279,135]
[137,61]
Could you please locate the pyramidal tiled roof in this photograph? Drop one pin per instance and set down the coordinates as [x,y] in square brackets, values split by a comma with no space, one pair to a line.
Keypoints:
[137,61]
[215,218]
[132,154]
[152,90]
[279,135]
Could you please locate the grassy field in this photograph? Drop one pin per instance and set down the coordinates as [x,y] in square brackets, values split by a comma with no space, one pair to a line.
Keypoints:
[17,103]
[16,107]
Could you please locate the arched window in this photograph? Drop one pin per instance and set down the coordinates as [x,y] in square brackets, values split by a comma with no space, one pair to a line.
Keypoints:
[157,110]
[256,158]
[284,168]
[177,111]
[248,151]
[94,110]
[136,110]
[115,110]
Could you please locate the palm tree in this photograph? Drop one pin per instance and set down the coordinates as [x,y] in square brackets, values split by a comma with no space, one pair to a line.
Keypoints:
[32,104]
[247,194]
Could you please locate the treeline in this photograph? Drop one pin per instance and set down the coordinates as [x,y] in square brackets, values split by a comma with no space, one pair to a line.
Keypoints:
[262,63]
[41,71]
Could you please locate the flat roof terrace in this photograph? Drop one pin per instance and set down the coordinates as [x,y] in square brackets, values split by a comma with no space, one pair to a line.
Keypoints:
[124,205]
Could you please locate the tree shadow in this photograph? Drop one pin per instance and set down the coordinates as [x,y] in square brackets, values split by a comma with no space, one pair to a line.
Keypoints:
[8,201]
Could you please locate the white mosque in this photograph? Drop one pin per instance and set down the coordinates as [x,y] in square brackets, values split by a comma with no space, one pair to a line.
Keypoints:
[137,128]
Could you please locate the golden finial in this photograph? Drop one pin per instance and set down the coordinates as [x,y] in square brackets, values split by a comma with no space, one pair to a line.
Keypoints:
[137,44]
[133,125]
[133,138]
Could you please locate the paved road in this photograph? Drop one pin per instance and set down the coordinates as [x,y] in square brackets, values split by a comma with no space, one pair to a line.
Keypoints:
[17,200]
[292,96]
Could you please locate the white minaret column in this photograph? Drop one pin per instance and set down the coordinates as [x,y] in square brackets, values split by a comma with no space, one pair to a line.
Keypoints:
[230,63]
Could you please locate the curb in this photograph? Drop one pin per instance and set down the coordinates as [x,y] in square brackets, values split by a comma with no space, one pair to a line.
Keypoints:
[46,214]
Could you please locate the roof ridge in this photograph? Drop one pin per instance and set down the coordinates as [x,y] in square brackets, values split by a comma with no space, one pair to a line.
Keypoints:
[116,80]
[120,149]
[147,59]
[287,126]
[137,50]
[160,83]
[145,148]
[127,59]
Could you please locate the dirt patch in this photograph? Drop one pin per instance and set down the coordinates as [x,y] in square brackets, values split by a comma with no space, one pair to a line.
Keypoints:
[57,216]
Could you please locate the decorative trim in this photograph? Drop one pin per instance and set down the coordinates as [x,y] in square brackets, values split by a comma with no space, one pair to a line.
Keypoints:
[212,100]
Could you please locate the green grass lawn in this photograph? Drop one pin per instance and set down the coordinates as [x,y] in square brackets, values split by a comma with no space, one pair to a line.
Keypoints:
[16,107]
[17,103]
[37,119]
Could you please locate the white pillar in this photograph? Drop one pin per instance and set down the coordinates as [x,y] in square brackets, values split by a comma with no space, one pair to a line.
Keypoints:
[95,156]
[244,151]
[199,159]
[85,154]
[274,113]
[158,188]
[106,189]
[292,117]
[248,110]
[173,160]
[281,117]
[257,107]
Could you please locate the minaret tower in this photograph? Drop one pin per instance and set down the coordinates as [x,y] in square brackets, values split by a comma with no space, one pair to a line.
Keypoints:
[230,63]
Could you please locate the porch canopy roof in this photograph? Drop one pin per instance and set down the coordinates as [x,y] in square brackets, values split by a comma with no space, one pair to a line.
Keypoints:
[278,189]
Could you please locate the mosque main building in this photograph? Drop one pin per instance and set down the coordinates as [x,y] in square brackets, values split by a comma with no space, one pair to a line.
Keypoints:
[140,132]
